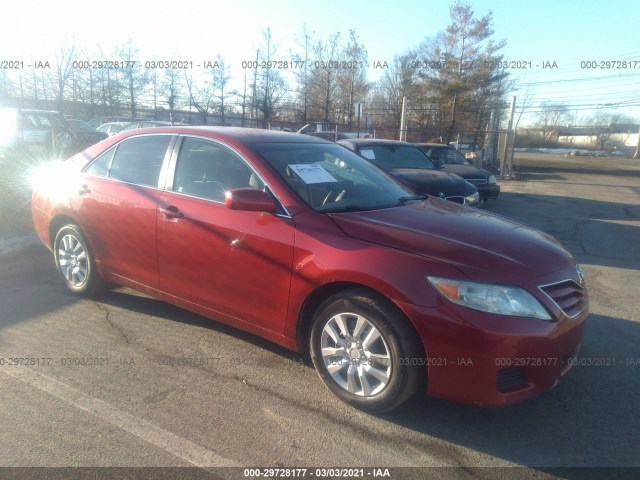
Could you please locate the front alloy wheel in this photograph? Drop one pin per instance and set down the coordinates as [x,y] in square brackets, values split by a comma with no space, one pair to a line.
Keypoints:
[360,345]
[355,354]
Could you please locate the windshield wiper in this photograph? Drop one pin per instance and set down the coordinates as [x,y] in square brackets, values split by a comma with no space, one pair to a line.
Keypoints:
[412,198]
[346,208]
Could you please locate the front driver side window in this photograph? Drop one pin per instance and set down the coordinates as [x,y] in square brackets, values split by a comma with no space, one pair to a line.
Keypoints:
[207,169]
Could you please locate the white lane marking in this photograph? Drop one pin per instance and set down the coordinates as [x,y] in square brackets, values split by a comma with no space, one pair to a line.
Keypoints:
[153,434]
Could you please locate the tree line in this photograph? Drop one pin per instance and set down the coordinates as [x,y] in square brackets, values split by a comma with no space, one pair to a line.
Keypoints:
[450,83]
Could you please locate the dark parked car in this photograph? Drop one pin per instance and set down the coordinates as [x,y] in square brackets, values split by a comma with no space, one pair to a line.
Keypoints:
[406,162]
[303,242]
[455,162]
[85,134]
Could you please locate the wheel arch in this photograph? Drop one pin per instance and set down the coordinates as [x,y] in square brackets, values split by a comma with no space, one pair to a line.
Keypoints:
[320,294]
[57,222]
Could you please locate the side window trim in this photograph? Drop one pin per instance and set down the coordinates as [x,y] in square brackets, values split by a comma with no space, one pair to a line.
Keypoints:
[110,151]
[163,169]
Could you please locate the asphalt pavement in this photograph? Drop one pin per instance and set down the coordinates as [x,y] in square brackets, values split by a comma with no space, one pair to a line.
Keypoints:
[124,380]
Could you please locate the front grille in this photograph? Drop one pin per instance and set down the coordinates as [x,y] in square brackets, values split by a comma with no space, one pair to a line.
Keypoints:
[476,181]
[510,379]
[456,199]
[568,295]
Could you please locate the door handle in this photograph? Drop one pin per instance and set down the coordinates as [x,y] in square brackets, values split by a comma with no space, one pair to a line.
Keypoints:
[171,212]
[84,189]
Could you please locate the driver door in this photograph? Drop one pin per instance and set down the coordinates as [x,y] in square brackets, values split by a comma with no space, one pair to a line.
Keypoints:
[232,262]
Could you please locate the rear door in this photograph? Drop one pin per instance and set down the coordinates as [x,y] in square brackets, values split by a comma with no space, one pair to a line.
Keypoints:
[117,200]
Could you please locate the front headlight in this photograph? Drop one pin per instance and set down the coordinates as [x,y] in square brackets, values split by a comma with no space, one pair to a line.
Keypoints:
[472,199]
[498,299]
[492,179]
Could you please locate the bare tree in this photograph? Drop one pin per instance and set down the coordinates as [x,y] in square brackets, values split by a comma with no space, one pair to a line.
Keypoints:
[607,124]
[134,77]
[302,71]
[7,87]
[220,77]
[199,97]
[352,79]
[399,81]
[552,116]
[62,71]
[323,81]
[171,90]
[271,87]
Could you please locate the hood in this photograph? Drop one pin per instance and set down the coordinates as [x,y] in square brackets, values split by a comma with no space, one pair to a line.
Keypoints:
[484,246]
[466,171]
[434,182]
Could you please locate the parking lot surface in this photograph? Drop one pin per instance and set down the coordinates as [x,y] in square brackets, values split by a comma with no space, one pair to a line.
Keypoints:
[124,380]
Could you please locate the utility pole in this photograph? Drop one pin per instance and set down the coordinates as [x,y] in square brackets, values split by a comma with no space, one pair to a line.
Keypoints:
[244,98]
[507,158]
[637,154]
[266,109]
[254,105]
[403,119]
[358,109]
[491,133]
[306,74]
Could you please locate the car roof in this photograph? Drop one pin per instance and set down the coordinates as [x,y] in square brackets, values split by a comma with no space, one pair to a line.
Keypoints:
[374,141]
[433,145]
[245,135]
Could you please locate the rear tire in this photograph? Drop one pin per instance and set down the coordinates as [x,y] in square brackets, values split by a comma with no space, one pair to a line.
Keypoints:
[75,262]
[362,347]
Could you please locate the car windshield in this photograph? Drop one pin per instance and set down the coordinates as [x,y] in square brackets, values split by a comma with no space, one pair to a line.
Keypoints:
[331,178]
[447,155]
[390,157]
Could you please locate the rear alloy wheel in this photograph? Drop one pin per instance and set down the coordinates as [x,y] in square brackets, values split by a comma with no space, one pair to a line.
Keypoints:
[360,347]
[75,262]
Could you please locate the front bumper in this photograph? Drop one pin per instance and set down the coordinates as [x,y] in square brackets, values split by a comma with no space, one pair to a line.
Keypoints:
[488,191]
[492,360]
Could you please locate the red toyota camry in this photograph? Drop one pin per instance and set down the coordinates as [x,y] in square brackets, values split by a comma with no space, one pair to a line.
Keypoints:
[305,243]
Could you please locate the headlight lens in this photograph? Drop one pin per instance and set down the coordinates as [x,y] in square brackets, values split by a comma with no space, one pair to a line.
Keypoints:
[498,299]
[472,199]
[492,179]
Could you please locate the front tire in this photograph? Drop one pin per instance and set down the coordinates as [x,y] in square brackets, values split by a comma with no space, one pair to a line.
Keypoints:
[75,262]
[362,347]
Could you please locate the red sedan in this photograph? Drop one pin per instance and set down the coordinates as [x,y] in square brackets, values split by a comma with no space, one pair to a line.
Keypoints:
[303,242]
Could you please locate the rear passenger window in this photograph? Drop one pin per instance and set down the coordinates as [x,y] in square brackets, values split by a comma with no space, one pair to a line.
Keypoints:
[207,169]
[139,160]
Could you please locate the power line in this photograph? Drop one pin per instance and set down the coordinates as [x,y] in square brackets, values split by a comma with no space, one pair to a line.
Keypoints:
[585,79]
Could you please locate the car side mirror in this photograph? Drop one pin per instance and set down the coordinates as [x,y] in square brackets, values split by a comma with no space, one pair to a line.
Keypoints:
[249,200]
[439,163]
